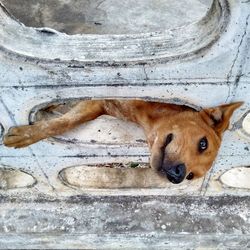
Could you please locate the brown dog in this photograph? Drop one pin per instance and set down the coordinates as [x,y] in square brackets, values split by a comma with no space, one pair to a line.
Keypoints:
[183,142]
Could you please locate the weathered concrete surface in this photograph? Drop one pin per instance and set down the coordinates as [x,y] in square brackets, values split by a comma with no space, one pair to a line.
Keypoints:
[201,64]
[107,16]
[147,222]
[49,44]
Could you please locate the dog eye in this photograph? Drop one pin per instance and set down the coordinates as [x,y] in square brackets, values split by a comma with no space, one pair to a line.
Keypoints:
[168,139]
[190,176]
[203,144]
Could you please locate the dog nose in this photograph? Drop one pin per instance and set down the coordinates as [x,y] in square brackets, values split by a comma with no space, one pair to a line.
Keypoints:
[176,174]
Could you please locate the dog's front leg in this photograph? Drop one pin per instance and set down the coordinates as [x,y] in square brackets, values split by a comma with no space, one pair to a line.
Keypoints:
[23,136]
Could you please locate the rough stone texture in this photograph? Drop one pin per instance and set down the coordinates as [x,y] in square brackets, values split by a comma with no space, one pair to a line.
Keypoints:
[160,222]
[201,64]
[48,44]
[107,16]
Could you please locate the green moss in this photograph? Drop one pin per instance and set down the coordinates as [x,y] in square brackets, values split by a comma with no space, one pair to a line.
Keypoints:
[133,165]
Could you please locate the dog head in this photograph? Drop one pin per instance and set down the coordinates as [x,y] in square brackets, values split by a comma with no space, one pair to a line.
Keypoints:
[186,144]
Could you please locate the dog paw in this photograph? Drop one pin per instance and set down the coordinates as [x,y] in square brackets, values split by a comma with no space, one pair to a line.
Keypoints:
[22,136]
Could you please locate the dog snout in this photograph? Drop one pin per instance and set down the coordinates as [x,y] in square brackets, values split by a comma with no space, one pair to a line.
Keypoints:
[176,173]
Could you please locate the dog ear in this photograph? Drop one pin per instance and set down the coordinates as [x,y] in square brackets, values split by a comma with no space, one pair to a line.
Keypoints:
[218,117]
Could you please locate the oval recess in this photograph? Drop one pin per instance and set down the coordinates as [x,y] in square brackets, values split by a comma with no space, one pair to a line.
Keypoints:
[119,176]
[238,177]
[246,124]
[105,17]
[113,175]
[242,126]
[157,45]
[14,178]
[104,130]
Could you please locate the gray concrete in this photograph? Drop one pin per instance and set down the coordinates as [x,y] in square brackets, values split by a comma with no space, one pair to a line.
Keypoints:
[161,222]
[107,16]
[49,44]
[195,61]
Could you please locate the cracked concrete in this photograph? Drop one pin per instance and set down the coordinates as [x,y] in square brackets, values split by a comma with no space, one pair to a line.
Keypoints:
[30,149]
[242,61]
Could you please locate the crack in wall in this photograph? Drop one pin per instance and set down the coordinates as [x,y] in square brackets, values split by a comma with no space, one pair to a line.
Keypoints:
[99,4]
[31,151]
[239,73]
[146,75]
[237,78]
[44,173]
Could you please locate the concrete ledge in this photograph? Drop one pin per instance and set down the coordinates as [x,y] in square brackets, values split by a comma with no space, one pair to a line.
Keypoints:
[162,222]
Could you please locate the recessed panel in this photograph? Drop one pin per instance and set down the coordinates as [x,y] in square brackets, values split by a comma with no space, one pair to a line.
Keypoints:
[237,178]
[246,124]
[119,176]
[13,178]
[108,17]
[105,130]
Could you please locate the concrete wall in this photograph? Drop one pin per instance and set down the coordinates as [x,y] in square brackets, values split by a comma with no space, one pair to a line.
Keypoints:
[203,62]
